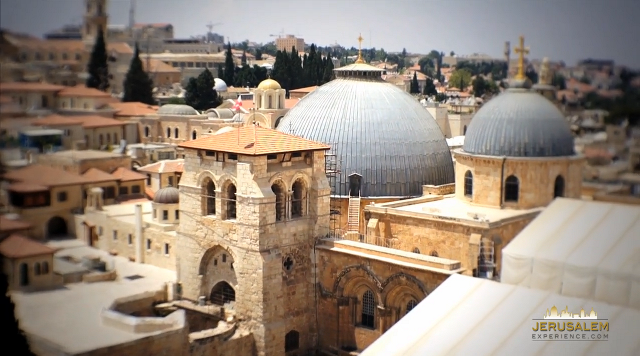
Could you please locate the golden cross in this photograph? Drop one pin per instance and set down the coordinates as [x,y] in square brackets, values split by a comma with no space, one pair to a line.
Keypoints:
[521,51]
[360,39]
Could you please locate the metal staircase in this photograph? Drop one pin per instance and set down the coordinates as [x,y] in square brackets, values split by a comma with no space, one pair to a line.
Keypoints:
[353,220]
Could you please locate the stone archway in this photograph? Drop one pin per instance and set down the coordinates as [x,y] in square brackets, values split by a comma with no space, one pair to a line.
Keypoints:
[222,293]
[56,227]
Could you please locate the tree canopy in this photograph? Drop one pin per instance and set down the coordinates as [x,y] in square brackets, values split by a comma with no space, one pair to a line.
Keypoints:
[98,68]
[482,87]
[414,88]
[137,84]
[200,93]
[293,72]
[460,78]
[429,88]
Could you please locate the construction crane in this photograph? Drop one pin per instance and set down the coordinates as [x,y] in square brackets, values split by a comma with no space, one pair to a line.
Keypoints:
[280,35]
[210,25]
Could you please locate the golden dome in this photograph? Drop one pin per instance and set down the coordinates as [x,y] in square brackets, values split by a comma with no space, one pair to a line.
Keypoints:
[269,84]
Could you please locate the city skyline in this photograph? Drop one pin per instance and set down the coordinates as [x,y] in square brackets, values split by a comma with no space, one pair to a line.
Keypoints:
[567,30]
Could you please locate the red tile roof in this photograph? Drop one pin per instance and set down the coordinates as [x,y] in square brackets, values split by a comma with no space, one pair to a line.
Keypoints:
[8,225]
[254,141]
[29,87]
[166,166]
[94,175]
[56,120]
[127,175]
[5,100]
[18,246]
[26,187]
[149,193]
[133,109]
[44,175]
[81,90]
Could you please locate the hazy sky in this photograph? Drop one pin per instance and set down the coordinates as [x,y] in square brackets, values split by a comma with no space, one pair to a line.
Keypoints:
[559,29]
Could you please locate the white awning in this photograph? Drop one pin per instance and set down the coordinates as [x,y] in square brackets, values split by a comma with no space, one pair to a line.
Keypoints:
[579,248]
[472,316]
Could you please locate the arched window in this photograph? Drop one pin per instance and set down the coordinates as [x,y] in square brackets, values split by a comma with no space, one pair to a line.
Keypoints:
[416,250]
[279,191]
[100,140]
[168,132]
[511,189]
[209,196]
[45,101]
[108,138]
[298,198]
[231,201]
[291,341]
[115,138]
[175,132]
[368,309]
[146,131]
[558,187]
[270,102]
[410,305]
[434,253]
[194,135]
[36,269]
[45,267]
[222,293]
[468,184]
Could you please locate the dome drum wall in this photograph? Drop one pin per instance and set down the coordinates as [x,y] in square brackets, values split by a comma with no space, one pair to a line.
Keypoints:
[377,131]
[536,179]
[519,123]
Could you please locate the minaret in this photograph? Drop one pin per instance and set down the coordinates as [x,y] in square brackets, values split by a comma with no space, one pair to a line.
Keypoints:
[132,16]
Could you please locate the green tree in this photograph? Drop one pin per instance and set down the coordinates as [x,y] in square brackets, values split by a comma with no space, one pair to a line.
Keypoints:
[15,340]
[137,84]
[440,97]
[414,87]
[480,86]
[98,67]
[280,72]
[229,66]
[460,78]
[559,81]
[452,53]
[200,93]
[328,71]
[429,88]
[294,71]
[243,61]
[258,54]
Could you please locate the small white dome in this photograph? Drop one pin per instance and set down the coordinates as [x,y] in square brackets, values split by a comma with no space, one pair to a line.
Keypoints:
[219,85]
[225,129]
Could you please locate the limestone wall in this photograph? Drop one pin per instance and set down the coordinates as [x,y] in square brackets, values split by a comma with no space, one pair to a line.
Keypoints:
[342,280]
[536,178]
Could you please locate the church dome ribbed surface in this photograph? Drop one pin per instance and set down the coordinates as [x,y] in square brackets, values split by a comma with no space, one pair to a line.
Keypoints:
[519,123]
[176,109]
[376,130]
[167,195]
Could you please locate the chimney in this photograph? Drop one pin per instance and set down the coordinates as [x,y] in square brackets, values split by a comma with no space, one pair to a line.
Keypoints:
[138,233]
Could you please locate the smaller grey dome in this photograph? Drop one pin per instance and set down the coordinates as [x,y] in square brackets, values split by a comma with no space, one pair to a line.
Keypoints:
[167,195]
[177,109]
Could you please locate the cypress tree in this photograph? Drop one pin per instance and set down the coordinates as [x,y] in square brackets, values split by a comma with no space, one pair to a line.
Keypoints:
[15,340]
[244,58]
[295,70]
[98,67]
[137,84]
[191,96]
[328,71]
[429,88]
[229,66]
[414,87]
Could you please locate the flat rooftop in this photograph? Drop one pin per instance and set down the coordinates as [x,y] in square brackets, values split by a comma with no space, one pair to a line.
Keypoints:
[451,208]
[84,154]
[70,317]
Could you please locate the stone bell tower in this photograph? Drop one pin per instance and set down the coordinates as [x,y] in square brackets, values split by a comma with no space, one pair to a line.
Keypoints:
[253,202]
[95,18]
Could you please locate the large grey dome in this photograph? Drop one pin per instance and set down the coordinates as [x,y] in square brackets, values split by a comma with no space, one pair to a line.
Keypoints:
[519,123]
[376,130]
[176,109]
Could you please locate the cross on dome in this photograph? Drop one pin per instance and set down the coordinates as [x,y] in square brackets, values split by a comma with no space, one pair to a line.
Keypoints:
[360,39]
[521,51]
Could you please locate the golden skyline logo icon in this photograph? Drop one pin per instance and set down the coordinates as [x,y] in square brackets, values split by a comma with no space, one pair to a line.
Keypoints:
[566,314]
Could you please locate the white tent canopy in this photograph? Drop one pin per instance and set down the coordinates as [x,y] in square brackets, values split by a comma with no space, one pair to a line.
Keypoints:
[472,316]
[581,249]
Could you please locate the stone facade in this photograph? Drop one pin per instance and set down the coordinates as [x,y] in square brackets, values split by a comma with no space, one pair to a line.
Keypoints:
[536,178]
[269,253]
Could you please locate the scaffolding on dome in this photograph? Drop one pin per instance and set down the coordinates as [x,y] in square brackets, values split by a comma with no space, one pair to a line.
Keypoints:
[332,170]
